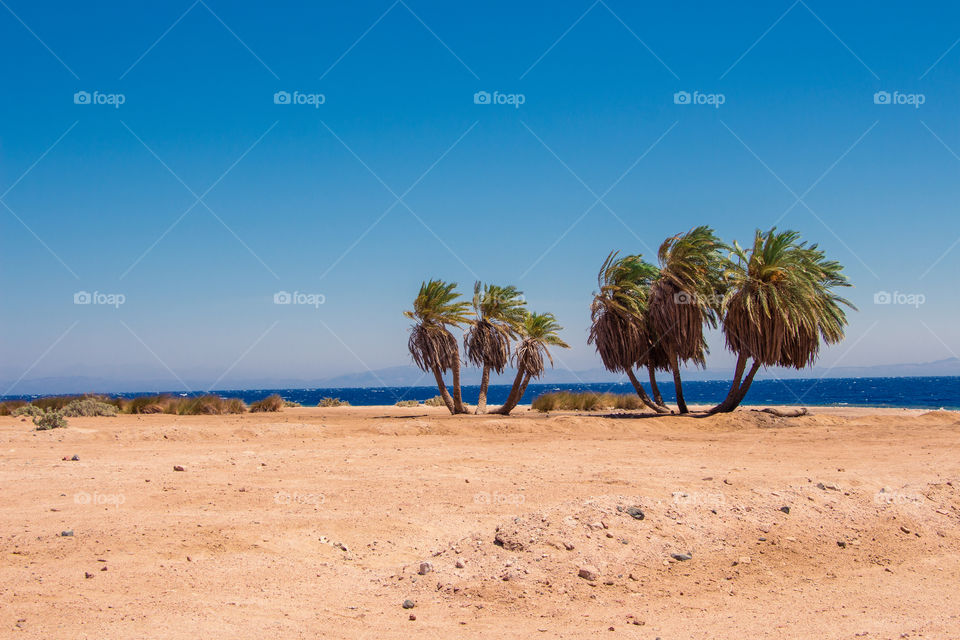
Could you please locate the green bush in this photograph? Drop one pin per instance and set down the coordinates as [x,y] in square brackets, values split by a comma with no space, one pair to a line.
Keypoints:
[89,407]
[50,420]
[27,410]
[332,402]
[270,403]
[408,403]
[435,401]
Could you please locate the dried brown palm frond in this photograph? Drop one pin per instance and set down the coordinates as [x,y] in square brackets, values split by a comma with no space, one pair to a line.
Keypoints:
[487,344]
[432,345]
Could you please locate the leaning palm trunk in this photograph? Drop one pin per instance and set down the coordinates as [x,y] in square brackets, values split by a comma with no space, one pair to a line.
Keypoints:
[457,394]
[515,394]
[675,365]
[644,398]
[484,384]
[746,383]
[447,400]
[730,402]
[654,387]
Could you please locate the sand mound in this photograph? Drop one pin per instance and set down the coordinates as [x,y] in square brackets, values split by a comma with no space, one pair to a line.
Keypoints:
[626,542]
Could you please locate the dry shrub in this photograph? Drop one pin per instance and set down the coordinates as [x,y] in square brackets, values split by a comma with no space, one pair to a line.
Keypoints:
[585,401]
[332,402]
[270,403]
[435,401]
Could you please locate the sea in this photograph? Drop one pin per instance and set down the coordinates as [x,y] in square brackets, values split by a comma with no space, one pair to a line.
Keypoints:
[913,393]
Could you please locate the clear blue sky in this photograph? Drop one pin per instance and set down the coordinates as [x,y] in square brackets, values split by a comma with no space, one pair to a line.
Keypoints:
[298,198]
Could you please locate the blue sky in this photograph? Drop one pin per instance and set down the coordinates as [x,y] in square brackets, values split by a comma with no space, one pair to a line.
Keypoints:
[198,198]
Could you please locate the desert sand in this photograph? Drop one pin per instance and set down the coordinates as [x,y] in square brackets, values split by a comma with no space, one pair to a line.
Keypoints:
[315,522]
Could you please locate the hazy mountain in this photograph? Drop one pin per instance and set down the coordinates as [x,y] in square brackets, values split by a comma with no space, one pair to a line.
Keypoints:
[406,375]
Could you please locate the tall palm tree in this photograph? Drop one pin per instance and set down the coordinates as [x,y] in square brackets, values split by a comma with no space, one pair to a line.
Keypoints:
[619,326]
[431,344]
[539,332]
[686,296]
[499,315]
[779,307]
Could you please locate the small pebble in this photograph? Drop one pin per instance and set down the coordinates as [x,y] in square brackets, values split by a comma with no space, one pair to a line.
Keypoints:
[408,604]
[177,467]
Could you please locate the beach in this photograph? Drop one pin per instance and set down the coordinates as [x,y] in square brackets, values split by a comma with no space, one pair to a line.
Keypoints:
[316,522]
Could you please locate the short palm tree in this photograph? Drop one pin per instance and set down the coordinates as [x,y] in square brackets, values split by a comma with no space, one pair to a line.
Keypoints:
[499,315]
[431,344]
[686,296]
[779,306]
[619,326]
[539,332]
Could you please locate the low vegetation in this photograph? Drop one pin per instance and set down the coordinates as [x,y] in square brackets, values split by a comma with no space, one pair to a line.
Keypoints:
[435,401]
[52,419]
[270,403]
[408,403]
[27,410]
[88,407]
[332,402]
[586,401]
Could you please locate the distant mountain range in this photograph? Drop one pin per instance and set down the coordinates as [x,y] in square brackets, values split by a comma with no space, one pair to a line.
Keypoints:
[407,375]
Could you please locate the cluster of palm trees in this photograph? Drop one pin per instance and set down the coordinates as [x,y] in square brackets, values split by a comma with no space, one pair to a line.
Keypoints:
[498,328]
[774,302]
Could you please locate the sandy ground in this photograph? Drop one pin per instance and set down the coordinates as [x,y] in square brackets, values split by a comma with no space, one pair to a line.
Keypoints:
[314,523]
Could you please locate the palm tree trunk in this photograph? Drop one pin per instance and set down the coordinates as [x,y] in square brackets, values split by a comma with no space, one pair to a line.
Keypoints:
[515,394]
[653,386]
[675,365]
[512,399]
[457,394]
[729,403]
[746,383]
[644,398]
[447,400]
[484,383]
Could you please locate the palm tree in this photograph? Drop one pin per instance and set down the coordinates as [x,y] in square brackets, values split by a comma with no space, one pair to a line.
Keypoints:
[619,326]
[779,306]
[499,315]
[431,344]
[686,296]
[539,331]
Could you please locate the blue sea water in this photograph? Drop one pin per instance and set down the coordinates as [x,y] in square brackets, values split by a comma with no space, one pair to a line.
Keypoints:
[918,393]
